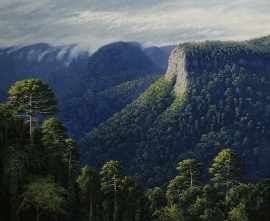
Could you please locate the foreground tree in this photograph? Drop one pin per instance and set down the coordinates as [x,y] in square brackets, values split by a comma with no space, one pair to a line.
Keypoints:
[71,158]
[54,141]
[44,196]
[190,171]
[238,213]
[226,169]
[170,213]
[111,177]
[157,201]
[174,188]
[32,98]
[189,176]
[89,184]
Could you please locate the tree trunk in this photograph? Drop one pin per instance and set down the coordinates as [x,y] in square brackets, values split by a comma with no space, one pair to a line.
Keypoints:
[90,218]
[69,167]
[37,214]
[30,119]
[30,127]
[228,177]
[115,200]
[191,176]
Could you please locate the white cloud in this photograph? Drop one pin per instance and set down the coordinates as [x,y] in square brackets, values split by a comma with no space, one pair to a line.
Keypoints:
[92,23]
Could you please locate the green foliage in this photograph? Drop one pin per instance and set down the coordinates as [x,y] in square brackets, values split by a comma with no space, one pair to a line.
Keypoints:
[38,183]
[226,104]
[49,153]
[128,126]
[53,134]
[89,183]
[71,159]
[174,188]
[238,213]
[45,196]
[190,170]
[59,192]
[157,200]
[54,141]
[32,98]
[97,106]
[109,195]
[170,213]
[226,169]
[244,201]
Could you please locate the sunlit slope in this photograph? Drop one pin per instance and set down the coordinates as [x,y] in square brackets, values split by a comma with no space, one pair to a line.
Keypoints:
[214,95]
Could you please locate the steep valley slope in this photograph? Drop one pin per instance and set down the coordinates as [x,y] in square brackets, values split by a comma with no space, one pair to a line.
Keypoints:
[89,88]
[214,95]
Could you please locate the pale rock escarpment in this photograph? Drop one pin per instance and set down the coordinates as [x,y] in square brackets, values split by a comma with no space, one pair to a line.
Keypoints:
[177,70]
[186,64]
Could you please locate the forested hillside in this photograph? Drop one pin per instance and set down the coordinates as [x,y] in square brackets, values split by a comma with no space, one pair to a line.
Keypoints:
[40,173]
[80,80]
[214,95]
[198,137]
[41,178]
[122,68]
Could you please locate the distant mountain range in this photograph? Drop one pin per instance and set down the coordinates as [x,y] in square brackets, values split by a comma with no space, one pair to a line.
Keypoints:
[51,64]
[90,88]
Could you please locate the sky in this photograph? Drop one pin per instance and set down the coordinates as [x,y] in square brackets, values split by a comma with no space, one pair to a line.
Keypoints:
[93,23]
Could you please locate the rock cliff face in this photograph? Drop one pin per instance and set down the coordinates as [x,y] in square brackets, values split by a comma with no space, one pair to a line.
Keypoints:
[188,61]
[177,70]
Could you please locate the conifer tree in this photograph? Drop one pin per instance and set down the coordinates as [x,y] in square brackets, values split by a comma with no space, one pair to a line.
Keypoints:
[226,169]
[111,176]
[89,184]
[32,98]
[190,170]
[44,196]
[54,142]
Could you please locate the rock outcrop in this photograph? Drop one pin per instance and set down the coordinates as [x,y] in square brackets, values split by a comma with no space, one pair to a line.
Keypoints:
[189,61]
[177,70]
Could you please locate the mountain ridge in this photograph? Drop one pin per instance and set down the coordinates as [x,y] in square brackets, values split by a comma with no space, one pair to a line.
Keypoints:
[211,94]
[78,77]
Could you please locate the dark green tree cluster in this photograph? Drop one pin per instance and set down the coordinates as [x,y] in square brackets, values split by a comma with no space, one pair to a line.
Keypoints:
[38,161]
[41,178]
[225,197]
[40,174]
[110,196]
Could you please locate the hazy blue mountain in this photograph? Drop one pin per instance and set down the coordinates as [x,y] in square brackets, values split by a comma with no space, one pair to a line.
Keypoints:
[79,79]
[160,55]
[117,66]
[49,63]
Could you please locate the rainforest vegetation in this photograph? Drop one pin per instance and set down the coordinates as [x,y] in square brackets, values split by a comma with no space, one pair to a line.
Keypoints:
[226,104]
[41,177]
[202,155]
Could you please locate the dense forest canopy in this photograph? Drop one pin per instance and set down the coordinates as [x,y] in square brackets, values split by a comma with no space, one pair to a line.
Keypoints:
[226,103]
[40,174]
[41,178]
[199,155]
